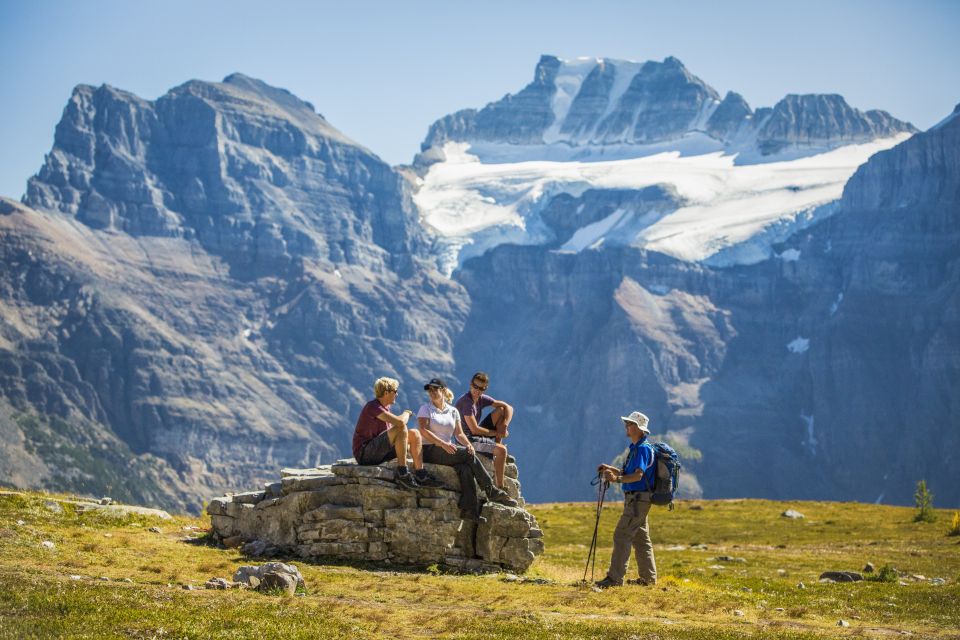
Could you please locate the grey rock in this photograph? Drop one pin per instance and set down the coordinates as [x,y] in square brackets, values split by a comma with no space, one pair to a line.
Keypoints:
[47,544]
[276,580]
[843,623]
[53,507]
[869,568]
[154,530]
[730,559]
[217,583]
[792,514]
[841,576]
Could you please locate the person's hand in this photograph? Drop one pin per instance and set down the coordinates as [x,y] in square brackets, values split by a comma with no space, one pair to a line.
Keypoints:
[609,475]
[449,448]
[472,451]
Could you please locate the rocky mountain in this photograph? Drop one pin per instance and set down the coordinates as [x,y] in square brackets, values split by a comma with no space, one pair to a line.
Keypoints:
[596,102]
[203,287]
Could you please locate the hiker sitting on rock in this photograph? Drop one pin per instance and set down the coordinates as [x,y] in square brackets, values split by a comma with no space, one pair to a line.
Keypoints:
[486,434]
[381,436]
[637,477]
[440,426]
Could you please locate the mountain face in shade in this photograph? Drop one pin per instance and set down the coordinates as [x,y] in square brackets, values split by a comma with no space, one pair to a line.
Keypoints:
[826,370]
[603,103]
[206,286]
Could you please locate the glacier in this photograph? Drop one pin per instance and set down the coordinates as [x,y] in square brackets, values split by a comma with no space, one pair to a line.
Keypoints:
[728,212]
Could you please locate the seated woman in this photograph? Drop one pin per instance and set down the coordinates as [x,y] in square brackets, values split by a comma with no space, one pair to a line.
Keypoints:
[441,433]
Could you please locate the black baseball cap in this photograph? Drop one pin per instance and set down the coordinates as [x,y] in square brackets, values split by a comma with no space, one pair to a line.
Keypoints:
[435,382]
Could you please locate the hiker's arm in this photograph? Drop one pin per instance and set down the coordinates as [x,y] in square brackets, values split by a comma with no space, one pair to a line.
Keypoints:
[462,437]
[394,420]
[635,476]
[476,429]
[431,438]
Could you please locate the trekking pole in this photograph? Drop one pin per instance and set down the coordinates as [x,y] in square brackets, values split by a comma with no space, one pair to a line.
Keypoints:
[602,485]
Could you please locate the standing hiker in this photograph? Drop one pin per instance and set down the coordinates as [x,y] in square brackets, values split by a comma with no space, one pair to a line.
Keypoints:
[633,530]
[381,435]
[486,434]
[446,444]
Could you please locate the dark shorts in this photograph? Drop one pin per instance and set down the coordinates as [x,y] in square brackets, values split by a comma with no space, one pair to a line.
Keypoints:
[377,450]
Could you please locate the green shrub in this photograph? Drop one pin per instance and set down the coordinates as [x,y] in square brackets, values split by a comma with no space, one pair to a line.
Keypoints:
[886,574]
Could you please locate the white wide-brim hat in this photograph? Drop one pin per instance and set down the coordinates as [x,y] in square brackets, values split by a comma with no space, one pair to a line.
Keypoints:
[638,419]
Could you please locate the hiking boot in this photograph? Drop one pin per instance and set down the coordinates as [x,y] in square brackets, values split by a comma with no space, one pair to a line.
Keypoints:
[502,497]
[427,481]
[608,582]
[640,582]
[406,480]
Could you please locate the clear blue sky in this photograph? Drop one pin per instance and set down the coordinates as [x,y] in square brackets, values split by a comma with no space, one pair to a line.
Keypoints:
[381,72]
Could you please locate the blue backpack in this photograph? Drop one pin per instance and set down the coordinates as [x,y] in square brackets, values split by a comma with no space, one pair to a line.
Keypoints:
[666,479]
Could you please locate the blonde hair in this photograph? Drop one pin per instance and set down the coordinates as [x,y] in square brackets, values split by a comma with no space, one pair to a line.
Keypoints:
[384,386]
[448,395]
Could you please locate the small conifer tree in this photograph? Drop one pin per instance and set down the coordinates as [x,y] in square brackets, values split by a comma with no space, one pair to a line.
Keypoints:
[924,502]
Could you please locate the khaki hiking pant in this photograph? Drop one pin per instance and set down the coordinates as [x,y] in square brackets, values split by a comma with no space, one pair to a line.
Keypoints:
[633,531]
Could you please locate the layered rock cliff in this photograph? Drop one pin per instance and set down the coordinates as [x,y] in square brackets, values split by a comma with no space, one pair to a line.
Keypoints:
[212,280]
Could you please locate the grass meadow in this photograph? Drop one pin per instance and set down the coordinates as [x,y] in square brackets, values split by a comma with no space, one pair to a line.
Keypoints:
[728,569]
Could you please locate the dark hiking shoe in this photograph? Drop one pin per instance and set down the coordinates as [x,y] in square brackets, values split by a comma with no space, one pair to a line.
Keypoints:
[640,582]
[608,582]
[406,481]
[502,497]
[427,481]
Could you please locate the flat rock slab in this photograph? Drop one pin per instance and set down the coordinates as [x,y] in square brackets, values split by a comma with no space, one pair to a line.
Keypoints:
[83,506]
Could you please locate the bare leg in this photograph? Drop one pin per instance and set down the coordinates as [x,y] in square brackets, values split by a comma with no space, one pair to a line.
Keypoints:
[499,463]
[416,448]
[499,424]
[398,438]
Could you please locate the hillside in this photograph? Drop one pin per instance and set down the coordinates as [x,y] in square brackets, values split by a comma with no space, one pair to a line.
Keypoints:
[728,569]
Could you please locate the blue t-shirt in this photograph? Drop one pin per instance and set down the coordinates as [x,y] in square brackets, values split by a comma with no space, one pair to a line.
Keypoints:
[640,457]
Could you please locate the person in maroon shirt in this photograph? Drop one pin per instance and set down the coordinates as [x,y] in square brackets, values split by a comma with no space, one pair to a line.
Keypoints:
[380,436]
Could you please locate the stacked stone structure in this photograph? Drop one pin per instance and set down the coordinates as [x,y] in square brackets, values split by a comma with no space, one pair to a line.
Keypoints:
[346,511]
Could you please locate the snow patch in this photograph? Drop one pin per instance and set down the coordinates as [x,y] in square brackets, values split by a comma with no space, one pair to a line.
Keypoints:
[568,81]
[790,255]
[811,440]
[836,303]
[798,345]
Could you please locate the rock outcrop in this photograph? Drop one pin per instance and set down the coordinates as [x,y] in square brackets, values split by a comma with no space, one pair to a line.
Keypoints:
[350,512]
